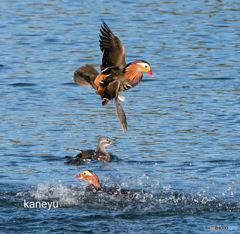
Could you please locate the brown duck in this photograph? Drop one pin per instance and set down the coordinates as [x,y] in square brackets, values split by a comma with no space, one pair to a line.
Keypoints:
[116,76]
[90,155]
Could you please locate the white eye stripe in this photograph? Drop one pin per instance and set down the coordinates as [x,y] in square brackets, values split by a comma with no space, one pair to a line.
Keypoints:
[145,65]
[87,173]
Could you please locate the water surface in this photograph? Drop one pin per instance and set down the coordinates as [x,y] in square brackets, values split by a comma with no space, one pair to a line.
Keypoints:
[182,144]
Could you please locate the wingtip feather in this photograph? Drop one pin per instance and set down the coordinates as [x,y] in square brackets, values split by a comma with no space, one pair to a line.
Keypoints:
[121,115]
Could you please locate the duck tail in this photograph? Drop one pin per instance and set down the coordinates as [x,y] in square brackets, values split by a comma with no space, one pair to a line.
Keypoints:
[86,75]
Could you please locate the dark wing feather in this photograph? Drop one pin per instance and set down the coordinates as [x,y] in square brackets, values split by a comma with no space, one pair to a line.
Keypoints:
[84,155]
[88,153]
[86,75]
[121,115]
[112,48]
[113,89]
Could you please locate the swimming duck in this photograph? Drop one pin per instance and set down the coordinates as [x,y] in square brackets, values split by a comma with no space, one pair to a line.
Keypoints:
[116,76]
[95,186]
[90,155]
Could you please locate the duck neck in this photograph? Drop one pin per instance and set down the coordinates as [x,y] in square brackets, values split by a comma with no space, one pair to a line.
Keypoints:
[134,74]
[101,150]
[94,182]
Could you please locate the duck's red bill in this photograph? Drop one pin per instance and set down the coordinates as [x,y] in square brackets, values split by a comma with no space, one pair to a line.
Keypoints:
[80,176]
[112,144]
[150,73]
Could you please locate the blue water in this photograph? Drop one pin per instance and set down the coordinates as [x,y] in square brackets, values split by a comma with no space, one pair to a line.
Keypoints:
[181,153]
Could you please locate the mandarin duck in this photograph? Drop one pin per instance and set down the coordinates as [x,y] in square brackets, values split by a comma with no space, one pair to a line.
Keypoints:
[90,155]
[95,186]
[116,76]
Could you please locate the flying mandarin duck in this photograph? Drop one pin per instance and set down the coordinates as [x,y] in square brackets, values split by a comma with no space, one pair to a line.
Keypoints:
[116,76]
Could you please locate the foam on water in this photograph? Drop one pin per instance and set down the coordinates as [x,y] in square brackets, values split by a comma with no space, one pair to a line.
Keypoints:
[147,195]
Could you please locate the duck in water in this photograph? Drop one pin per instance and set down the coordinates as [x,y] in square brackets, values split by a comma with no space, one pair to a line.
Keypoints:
[90,155]
[95,186]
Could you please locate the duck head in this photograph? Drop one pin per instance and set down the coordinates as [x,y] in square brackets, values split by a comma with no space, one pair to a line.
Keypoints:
[103,142]
[91,177]
[139,66]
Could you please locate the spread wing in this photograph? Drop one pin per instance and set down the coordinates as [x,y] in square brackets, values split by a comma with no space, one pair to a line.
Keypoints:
[86,75]
[112,48]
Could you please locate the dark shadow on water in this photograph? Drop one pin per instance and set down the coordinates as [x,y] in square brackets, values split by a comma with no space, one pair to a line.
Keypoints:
[71,84]
[22,84]
[149,80]
[29,35]
[234,162]
[51,40]
[114,158]
[51,158]
[143,162]
[218,78]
